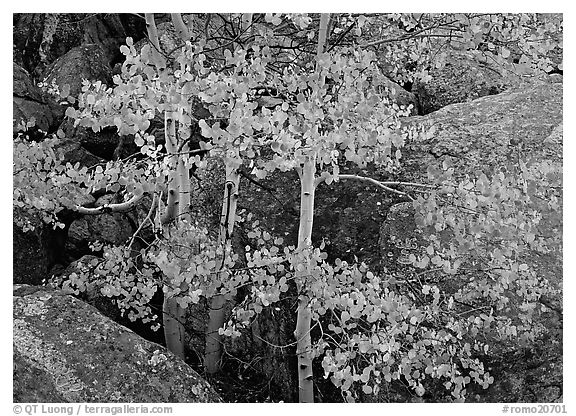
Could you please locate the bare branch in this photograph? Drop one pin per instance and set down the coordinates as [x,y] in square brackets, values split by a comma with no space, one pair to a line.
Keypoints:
[148,218]
[369,180]
[117,207]
[421,185]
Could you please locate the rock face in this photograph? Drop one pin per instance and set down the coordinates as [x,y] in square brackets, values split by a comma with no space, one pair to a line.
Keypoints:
[105,143]
[111,228]
[483,135]
[34,251]
[65,351]
[73,152]
[399,230]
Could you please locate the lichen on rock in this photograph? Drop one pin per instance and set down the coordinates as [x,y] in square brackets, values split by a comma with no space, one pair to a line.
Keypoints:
[65,351]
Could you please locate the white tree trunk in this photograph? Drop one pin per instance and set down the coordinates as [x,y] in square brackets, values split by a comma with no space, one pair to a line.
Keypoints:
[213,351]
[178,188]
[304,317]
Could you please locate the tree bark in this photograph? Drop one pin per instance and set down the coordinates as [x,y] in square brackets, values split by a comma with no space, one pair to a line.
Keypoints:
[181,28]
[303,321]
[213,351]
[172,313]
[307,175]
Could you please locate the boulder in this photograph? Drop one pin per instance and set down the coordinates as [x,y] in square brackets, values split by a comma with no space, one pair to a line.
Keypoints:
[464,77]
[40,38]
[66,351]
[36,246]
[31,255]
[73,152]
[106,143]
[484,135]
[399,230]
[403,98]
[92,294]
[108,228]
[29,102]
[88,61]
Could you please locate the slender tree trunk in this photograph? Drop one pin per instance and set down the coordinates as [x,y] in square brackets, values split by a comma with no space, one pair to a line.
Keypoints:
[213,351]
[174,332]
[181,28]
[177,208]
[304,317]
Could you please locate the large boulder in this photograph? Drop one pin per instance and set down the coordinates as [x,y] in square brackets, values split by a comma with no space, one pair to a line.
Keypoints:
[40,38]
[73,152]
[403,98]
[485,135]
[29,103]
[109,227]
[105,143]
[488,132]
[65,351]
[91,294]
[87,61]
[32,248]
[464,77]
[30,255]
[90,289]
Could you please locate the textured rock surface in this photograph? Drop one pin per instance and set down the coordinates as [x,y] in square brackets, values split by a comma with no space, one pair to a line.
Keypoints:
[109,227]
[73,152]
[35,251]
[30,254]
[487,132]
[483,135]
[40,38]
[92,295]
[29,102]
[403,98]
[465,77]
[65,351]
[82,62]
[105,143]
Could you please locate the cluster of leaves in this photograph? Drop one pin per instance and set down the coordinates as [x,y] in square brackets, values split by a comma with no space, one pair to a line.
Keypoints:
[367,331]
[122,275]
[411,44]
[482,230]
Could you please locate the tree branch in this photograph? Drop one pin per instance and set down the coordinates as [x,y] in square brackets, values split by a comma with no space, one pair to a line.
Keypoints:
[369,180]
[148,218]
[118,207]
